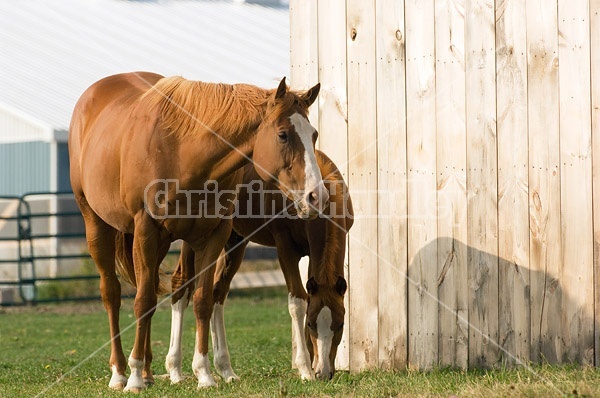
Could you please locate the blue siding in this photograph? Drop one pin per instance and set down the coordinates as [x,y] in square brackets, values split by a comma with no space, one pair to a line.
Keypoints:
[62,169]
[24,167]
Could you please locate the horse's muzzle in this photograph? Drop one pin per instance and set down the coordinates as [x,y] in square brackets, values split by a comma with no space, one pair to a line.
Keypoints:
[317,199]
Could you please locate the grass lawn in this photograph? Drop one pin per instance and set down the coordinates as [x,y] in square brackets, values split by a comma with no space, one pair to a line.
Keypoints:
[62,351]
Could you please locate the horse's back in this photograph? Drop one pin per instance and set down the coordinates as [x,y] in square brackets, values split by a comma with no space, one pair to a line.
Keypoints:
[112,91]
[101,119]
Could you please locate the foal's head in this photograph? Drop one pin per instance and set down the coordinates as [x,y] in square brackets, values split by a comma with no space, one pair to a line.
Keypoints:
[324,324]
[284,152]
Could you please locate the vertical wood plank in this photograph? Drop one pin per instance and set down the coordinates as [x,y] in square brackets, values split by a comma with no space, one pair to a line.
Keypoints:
[391,158]
[304,61]
[576,181]
[421,190]
[333,106]
[451,183]
[482,182]
[333,110]
[513,178]
[544,179]
[595,77]
[362,157]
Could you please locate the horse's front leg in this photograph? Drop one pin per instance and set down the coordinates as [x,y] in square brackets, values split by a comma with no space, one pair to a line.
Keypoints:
[183,286]
[227,266]
[205,260]
[145,257]
[297,303]
[147,375]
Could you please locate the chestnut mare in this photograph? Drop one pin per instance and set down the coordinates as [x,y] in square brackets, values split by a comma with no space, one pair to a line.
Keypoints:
[157,159]
[260,218]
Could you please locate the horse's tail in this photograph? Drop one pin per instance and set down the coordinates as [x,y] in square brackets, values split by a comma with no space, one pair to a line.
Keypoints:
[124,263]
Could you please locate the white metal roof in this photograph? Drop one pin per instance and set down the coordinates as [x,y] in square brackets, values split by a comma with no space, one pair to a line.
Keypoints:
[52,50]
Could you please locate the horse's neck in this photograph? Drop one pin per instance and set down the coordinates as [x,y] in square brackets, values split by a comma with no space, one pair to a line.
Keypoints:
[235,153]
[331,264]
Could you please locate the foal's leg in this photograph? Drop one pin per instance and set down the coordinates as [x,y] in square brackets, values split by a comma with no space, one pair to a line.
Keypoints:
[145,258]
[227,266]
[101,245]
[183,286]
[297,302]
[206,256]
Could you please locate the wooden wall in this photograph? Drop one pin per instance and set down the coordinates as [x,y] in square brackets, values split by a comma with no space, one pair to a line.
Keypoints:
[468,132]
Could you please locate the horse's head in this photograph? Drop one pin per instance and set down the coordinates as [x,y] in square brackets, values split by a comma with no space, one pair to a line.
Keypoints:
[324,324]
[284,151]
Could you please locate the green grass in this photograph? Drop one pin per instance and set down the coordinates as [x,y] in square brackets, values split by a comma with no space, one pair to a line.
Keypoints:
[61,350]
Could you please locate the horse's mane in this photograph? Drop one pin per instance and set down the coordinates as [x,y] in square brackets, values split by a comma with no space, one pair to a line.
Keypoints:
[191,107]
[337,227]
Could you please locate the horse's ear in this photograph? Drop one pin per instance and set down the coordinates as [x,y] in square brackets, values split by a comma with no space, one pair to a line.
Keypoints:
[341,286]
[311,95]
[312,286]
[281,90]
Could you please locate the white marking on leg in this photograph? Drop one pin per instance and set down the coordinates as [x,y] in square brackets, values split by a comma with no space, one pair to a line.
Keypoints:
[324,342]
[135,383]
[117,381]
[297,308]
[201,368]
[220,349]
[173,359]
[313,180]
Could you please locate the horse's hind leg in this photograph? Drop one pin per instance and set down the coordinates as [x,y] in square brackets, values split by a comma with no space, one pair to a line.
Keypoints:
[101,245]
[146,239]
[183,286]
[228,264]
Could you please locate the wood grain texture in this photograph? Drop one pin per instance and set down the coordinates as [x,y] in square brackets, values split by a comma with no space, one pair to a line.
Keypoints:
[391,159]
[544,179]
[422,187]
[513,178]
[482,182]
[595,80]
[451,183]
[576,276]
[304,60]
[362,158]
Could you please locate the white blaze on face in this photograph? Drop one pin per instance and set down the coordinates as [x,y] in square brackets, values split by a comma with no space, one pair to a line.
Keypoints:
[313,179]
[324,341]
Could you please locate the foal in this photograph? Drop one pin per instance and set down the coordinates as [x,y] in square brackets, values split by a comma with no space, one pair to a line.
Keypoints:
[261,218]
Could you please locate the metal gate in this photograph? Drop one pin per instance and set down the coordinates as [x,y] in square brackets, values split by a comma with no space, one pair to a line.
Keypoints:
[43,252]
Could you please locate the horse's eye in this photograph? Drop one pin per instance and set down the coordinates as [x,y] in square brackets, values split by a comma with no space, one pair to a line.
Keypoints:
[311,325]
[341,326]
[282,136]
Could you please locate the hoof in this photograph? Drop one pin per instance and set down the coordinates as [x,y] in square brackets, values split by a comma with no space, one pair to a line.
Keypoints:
[228,375]
[307,376]
[117,382]
[176,378]
[117,386]
[148,382]
[206,383]
[134,388]
[231,378]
